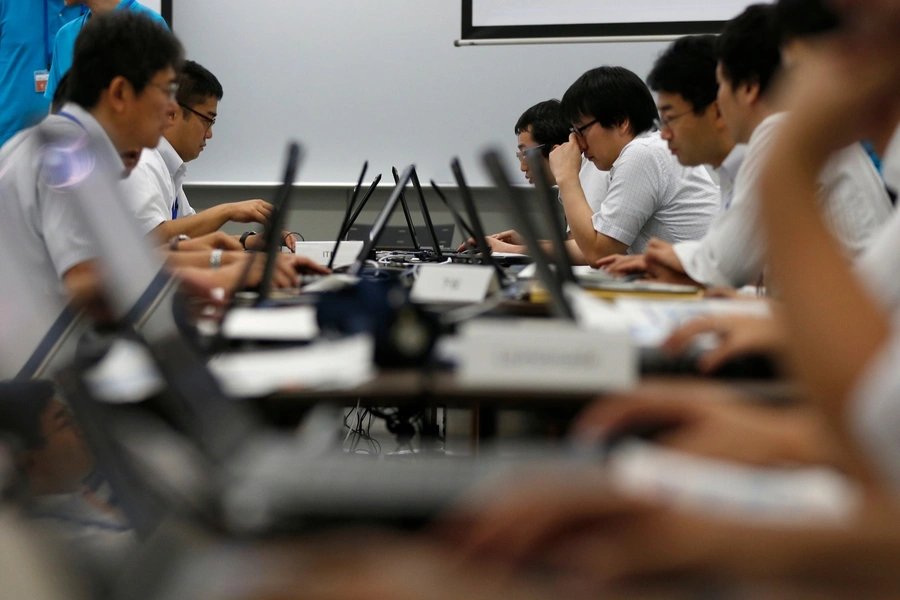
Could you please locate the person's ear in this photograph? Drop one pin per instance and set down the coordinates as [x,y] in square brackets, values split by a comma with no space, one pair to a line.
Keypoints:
[118,94]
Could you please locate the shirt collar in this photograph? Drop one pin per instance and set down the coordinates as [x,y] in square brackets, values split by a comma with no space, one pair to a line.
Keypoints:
[727,171]
[173,161]
[98,135]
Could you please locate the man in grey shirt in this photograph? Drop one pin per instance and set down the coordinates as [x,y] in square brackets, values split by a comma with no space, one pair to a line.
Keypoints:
[650,194]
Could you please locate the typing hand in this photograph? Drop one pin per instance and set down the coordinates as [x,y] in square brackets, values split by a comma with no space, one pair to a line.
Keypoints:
[622,264]
[250,211]
[662,253]
[739,335]
[211,241]
[304,265]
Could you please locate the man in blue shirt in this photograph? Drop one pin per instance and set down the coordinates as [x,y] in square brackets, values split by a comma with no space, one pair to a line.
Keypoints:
[27,31]
[64,47]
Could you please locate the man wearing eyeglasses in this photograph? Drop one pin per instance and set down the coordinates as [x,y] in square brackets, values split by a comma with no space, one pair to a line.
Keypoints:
[650,194]
[155,189]
[541,126]
[854,200]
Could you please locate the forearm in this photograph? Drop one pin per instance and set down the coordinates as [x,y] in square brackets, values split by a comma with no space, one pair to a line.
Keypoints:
[828,313]
[202,223]
[592,244]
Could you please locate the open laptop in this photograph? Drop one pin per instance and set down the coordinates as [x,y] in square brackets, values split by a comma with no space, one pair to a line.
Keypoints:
[350,215]
[513,201]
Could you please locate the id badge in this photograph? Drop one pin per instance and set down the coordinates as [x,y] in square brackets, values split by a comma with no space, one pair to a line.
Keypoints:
[40,81]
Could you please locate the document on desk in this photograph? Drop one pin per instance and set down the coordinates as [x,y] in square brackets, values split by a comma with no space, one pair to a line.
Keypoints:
[333,364]
[651,322]
[279,324]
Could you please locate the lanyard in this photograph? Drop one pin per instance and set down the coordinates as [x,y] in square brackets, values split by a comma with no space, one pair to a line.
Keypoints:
[48,43]
[72,118]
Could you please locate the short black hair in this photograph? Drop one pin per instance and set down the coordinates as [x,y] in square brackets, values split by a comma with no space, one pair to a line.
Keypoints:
[60,94]
[688,68]
[121,43]
[21,405]
[749,47]
[546,124]
[805,18]
[611,95]
[196,85]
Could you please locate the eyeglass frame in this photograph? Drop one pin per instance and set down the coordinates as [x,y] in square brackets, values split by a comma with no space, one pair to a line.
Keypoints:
[579,131]
[209,122]
[520,154]
[666,123]
[170,90]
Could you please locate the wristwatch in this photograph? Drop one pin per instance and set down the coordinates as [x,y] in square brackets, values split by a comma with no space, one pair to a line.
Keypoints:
[215,258]
[244,237]
[173,241]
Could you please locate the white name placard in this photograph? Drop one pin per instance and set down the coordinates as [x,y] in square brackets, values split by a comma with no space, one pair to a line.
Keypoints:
[321,252]
[549,355]
[452,283]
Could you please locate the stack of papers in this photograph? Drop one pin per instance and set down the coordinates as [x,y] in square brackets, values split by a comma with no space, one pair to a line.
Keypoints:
[278,324]
[340,364]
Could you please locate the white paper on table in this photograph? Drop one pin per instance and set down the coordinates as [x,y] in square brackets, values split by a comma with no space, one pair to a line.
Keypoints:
[287,323]
[337,364]
[651,322]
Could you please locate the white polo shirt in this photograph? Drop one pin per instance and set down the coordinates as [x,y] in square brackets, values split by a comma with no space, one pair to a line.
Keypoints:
[727,173]
[652,195]
[854,201]
[155,184]
[43,229]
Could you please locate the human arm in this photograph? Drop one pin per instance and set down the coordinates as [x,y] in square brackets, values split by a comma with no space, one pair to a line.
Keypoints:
[828,311]
[210,241]
[565,162]
[738,335]
[212,219]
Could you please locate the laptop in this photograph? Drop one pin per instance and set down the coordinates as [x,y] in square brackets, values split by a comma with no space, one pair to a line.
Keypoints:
[350,215]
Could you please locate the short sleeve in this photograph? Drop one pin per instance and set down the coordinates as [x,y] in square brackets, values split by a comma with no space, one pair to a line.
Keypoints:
[634,195]
[144,195]
[64,229]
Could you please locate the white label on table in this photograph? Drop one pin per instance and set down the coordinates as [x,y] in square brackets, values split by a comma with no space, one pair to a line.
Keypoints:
[452,283]
[321,252]
[550,355]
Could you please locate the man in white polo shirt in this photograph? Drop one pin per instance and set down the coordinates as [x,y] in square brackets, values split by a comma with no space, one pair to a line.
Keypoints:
[854,200]
[650,194]
[120,89]
[541,126]
[155,189]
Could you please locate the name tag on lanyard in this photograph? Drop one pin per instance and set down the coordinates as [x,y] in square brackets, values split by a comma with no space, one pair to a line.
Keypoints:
[40,81]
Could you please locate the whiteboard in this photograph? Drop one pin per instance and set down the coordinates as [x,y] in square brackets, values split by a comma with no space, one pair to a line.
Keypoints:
[505,13]
[356,79]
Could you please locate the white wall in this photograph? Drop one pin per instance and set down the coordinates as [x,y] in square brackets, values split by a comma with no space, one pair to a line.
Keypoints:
[154,4]
[359,79]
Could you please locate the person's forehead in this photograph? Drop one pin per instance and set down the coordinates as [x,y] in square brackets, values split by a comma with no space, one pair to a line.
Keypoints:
[669,101]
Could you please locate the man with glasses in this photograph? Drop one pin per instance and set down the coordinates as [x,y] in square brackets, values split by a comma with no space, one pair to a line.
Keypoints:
[854,200]
[650,193]
[119,91]
[541,126]
[155,189]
